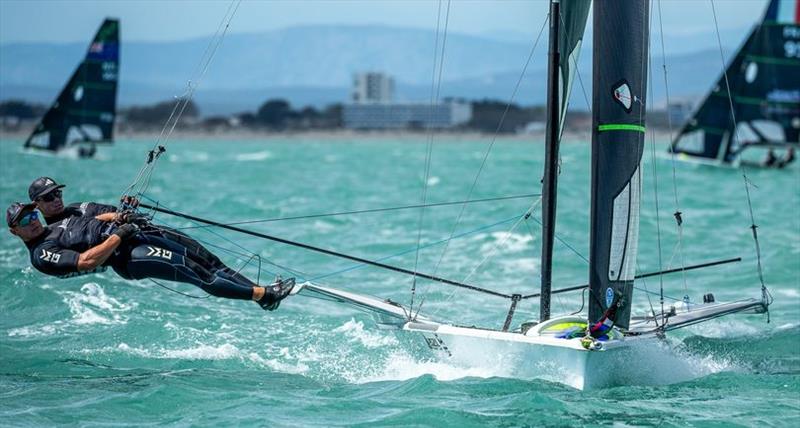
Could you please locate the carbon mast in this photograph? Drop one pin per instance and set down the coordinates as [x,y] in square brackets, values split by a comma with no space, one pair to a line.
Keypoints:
[566,35]
[550,180]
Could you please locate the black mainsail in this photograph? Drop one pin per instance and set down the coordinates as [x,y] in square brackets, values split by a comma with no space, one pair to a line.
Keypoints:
[764,80]
[621,36]
[85,109]
[566,37]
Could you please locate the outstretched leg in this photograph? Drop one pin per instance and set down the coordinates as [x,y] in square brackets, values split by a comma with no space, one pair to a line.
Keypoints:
[151,261]
[194,250]
[153,256]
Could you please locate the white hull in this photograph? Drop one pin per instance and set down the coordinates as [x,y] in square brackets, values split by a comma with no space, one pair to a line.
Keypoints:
[638,359]
[540,357]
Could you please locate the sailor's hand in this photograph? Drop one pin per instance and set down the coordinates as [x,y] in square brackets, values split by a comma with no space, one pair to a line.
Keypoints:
[121,217]
[126,231]
[129,216]
[129,202]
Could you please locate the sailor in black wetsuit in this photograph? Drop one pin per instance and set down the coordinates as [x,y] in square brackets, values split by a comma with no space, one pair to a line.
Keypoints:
[85,244]
[46,193]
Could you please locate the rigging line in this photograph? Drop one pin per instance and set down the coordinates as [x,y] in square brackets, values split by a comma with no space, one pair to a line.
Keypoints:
[249,253]
[655,173]
[492,252]
[677,214]
[366,211]
[646,275]
[329,252]
[236,244]
[746,180]
[494,139]
[469,232]
[644,284]
[566,244]
[179,292]
[429,153]
[489,149]
[145,174]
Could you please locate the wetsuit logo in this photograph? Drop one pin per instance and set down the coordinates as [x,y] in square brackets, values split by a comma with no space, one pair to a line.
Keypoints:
[50,257]
[159,252]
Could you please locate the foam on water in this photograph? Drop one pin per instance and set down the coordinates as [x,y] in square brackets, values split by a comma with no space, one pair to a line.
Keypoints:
[93,306]
[506,243]
[189,157]
[205,352]
[369,338]
[251,157]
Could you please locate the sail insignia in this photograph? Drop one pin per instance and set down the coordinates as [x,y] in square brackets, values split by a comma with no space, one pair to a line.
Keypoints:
[85,110]
[622,95]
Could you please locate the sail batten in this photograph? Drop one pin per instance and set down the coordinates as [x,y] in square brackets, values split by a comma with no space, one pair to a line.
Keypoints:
[85,109]
[618,116]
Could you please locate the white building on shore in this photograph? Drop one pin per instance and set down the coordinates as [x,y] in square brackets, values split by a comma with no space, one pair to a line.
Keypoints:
[372,107]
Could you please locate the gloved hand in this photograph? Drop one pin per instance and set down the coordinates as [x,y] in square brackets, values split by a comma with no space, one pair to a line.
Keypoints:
[126,231]
[129,202]
[130,216]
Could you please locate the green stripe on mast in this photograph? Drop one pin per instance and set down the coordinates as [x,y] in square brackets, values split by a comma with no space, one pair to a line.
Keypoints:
[620,127]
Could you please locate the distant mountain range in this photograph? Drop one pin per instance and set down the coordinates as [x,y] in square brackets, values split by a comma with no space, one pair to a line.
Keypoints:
[314,65]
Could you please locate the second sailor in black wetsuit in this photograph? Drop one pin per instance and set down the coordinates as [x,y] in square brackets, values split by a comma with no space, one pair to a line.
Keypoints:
[85,244]
[46,193]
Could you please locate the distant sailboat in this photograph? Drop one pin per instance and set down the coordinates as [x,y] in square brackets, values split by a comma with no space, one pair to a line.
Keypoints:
[764,80]
[83,114]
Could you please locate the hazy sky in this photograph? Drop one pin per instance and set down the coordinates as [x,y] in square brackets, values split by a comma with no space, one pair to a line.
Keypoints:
[71,21]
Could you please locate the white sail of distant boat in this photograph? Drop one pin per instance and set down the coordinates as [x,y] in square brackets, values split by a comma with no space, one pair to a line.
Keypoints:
[588,348]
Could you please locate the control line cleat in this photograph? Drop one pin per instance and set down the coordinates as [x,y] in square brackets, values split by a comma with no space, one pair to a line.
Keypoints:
[275,292]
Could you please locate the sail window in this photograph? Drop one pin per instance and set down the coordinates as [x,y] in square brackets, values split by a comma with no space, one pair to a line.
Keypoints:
[625,232]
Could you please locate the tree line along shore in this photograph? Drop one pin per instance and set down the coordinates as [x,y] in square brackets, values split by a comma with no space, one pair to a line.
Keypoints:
[278,115]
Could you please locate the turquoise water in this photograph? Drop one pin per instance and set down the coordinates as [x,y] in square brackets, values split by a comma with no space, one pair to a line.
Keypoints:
[97,350]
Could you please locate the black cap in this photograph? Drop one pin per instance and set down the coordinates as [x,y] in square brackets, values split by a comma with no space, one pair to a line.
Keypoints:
[17,210]
[42,186]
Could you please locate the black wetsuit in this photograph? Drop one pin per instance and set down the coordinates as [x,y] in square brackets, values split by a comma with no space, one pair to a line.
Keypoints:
[79,209]
[153,252]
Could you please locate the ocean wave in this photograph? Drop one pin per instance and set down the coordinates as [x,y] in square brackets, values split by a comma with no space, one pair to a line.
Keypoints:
[206,352]
[400,366]
[93,306]
[370,338]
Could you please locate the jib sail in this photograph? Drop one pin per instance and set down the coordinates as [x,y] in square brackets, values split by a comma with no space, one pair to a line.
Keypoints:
[86,107]
[566,37]
[620,53]
[764,80]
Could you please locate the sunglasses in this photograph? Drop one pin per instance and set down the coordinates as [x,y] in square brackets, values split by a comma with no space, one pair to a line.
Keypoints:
[50,197]
[28,219]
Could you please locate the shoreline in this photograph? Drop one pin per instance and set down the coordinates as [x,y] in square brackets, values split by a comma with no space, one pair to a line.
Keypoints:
[338,135]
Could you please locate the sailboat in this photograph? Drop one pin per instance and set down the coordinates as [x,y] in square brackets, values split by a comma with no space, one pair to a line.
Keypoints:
[84,112]
[590,348]
[764,103]
[587,348]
